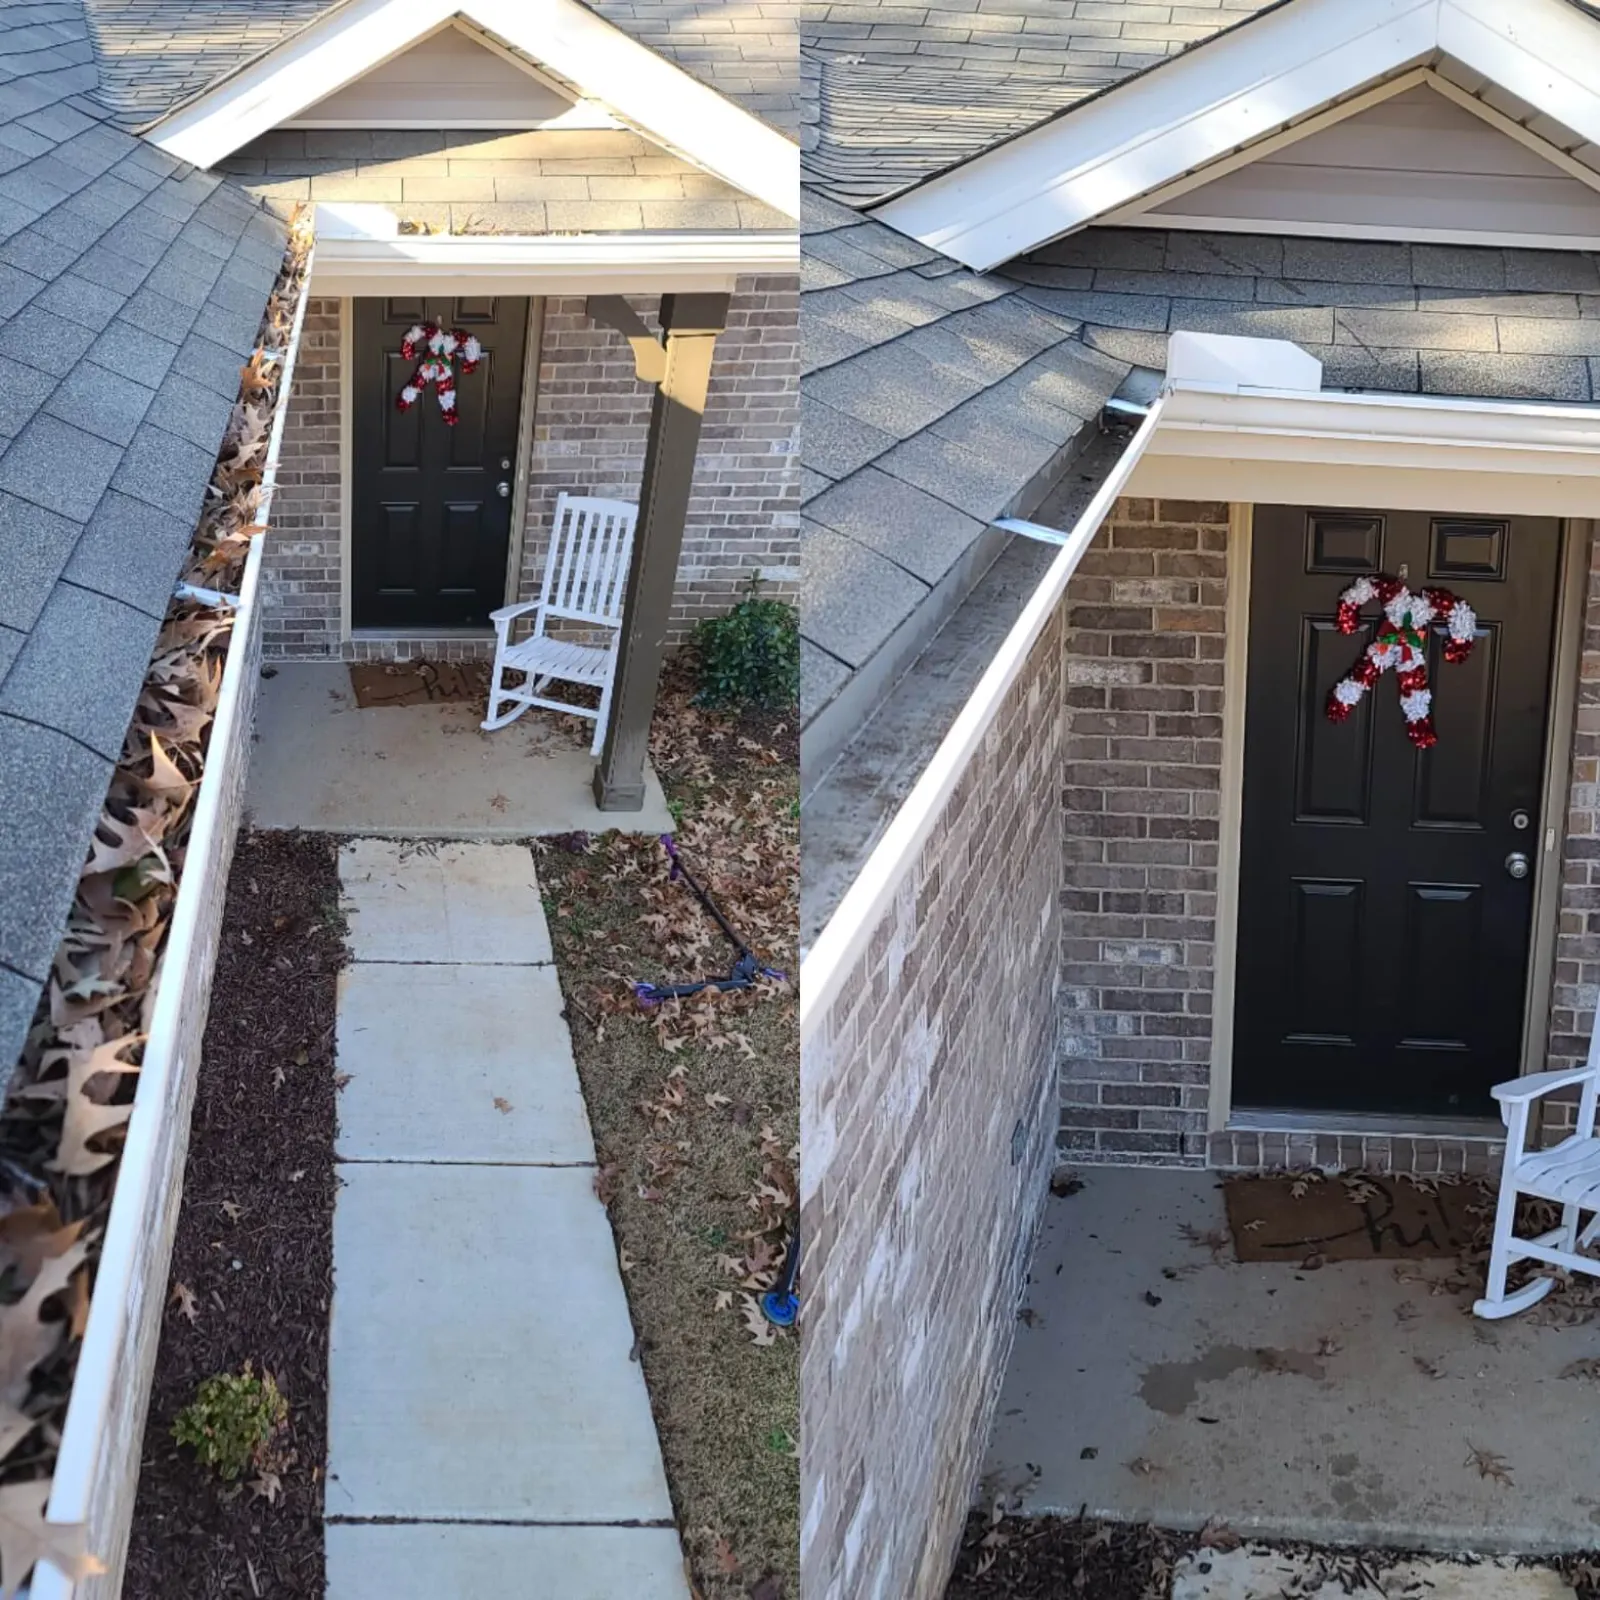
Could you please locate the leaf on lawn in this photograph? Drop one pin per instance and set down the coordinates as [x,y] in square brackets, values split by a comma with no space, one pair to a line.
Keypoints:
[755,1324]
[27,1539]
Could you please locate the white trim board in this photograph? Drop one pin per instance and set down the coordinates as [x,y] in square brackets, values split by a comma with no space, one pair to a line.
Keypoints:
[360,251]
[577,45]
[1258,82]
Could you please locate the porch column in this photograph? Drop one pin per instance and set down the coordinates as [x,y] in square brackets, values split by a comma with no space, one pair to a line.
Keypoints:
[680,367]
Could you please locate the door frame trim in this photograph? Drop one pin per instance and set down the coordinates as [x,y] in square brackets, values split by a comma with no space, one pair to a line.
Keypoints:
[527,411]
[1567,644]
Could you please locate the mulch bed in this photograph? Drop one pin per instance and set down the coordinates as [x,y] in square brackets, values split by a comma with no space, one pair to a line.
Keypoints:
[1355,1218]
[261,1275]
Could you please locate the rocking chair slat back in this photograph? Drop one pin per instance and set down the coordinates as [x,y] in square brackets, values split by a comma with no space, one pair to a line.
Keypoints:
[586,569]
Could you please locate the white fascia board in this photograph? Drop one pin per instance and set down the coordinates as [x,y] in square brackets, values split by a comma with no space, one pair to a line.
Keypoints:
[1546,52]
[1411,433]
[601,60]
[351,263]
[1193,110]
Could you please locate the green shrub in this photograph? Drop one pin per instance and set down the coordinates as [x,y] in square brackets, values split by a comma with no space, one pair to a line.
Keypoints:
[232,1421]
[750,654]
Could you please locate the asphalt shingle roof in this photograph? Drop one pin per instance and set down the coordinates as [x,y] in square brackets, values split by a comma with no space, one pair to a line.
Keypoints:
[120,271]
[156,53]
[899,91]
[933,400]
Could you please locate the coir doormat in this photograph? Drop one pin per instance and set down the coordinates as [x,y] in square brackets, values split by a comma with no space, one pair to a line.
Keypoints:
[417,683]
[1352,1218]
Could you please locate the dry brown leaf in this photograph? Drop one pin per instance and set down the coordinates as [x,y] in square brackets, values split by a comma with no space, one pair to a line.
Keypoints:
[31,1235]
[25,1338]
[27,1539]
[1488,1463]
[183,1297]
[760,1330]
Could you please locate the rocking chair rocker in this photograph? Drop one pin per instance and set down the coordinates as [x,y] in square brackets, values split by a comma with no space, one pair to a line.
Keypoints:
[585,574]
[1567,1173]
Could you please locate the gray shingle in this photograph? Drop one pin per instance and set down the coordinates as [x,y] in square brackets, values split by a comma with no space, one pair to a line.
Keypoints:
[233,330]
[80,301]
[192,411]
[902,523]
[210,364]
[1248,254]
[1301,292]
[101,402]
[852,599]
[1498,376]
[134,353]
[22,391]
[1151,312]
[35,546]
[1414,330]
[165,471]
[39,338]
[59,467]
[51,793]
[1455,266]
[11,640]
[821,678]
[18,997]
[1557,270]
[834,442]
[82,639]
[112,268]
[33,253]
[1347,261]
[155,313]
[981,485]
[132,552]
[1540,336]
[894,389]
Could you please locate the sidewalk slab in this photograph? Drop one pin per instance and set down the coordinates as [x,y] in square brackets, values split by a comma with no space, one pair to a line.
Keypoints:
[457,1063]
[1255,1574]
[432,1561]
[454,902]
[479,1352]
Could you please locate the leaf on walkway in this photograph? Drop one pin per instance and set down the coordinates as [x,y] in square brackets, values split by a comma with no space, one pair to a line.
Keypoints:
[1489,1464]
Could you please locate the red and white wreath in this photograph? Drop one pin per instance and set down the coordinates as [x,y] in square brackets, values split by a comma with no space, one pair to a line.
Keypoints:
[1401,642]
[441,350]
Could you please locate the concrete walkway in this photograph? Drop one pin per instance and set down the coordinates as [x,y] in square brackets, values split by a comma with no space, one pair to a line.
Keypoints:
[419,772]
[1357,1403]
[488,1433]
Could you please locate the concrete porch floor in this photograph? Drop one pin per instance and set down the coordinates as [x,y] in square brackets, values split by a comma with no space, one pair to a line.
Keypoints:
[321,763]
[1291,1404]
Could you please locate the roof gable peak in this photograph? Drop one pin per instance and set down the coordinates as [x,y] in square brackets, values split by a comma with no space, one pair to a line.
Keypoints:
[1296,64]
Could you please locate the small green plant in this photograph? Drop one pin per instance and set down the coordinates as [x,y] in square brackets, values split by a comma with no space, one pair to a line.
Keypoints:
[750,654]
[232,1421]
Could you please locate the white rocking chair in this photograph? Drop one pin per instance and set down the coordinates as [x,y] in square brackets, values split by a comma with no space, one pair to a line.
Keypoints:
[1567,1173]
[585,573]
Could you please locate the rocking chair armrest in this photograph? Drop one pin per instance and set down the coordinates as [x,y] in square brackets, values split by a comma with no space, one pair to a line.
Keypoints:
[1537,1084]
[506,613]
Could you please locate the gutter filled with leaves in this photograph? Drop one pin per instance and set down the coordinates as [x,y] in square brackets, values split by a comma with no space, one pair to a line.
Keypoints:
[93,1133]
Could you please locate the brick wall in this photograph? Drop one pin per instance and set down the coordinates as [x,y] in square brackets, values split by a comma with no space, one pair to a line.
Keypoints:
[590,426]
[927,1132]
[1142,781]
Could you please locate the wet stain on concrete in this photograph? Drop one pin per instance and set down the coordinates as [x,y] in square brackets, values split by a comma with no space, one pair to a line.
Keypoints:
[1174,1386]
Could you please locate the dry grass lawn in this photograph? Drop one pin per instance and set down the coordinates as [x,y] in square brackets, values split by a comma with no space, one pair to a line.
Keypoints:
[695,1107]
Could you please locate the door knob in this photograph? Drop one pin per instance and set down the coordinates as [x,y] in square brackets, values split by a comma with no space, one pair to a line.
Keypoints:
[1517,864]
[503,489]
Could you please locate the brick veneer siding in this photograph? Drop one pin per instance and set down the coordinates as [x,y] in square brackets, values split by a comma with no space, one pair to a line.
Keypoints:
[1142,783]
[917,1210]
[590,426]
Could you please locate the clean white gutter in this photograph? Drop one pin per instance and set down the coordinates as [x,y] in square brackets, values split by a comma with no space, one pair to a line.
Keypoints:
[155,1143]
[830,961]
[360,250]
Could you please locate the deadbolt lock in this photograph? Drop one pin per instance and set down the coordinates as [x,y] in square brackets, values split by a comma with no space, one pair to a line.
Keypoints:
[1520,820]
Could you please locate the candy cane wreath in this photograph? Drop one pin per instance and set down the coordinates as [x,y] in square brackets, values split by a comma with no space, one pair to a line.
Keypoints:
[1401,643]
[437,366]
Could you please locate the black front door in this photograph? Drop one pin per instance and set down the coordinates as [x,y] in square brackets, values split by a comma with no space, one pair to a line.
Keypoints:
[430,504]
[1383,937]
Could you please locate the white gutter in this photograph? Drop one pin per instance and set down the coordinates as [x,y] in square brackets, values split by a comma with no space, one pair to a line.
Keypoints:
[830,961]
[361,250]
[154,1144]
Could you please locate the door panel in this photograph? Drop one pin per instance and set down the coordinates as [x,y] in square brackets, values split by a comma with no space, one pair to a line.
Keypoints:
[1383,946]
[430,530]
